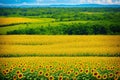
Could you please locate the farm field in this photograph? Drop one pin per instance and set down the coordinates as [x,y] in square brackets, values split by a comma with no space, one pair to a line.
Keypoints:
[59,45]
[60,21]
[7,21]
[60,68]
[30,23]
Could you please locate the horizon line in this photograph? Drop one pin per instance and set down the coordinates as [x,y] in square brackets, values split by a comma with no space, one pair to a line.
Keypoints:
[18,4]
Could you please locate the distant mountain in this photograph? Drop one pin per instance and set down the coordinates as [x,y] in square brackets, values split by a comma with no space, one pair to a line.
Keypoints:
[59,5]
[85,5]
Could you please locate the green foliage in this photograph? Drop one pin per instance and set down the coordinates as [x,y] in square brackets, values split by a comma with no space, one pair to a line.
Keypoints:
[65,14]
[72,29]
[69,21]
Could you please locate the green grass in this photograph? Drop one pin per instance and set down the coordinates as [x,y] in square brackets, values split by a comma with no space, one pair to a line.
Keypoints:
[61,55]
[44,23]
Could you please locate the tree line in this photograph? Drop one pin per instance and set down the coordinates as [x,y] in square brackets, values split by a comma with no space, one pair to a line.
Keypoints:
[72,29]
[65,14]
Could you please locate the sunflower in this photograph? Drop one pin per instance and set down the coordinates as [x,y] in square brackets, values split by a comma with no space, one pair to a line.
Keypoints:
[116,78]
[76,73]
[19,66]
[104,76]
[18,72]
[74,78]
[60,78]
[51,78]
[20,76]
[60,74]
[53,71]
[95,73]
[7,70]
[68,73]
[48,70]
[46,74]
[14,77]
[31,70]
[5,65]
[98,76]
[60,68]
[4,72]
[93,70]
[72,70]
[40,73]
[67,78]
[117,72]
[110,75]
[81,70]
[51,66]
[11,69]
[23,69]
[87,71]
[102,69]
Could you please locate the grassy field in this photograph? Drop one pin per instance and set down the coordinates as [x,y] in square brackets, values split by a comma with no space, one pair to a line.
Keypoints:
[15,20]
[59,45]
[60,68]
[16,23]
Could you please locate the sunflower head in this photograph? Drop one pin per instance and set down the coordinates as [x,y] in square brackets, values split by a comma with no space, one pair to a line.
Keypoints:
[20,76]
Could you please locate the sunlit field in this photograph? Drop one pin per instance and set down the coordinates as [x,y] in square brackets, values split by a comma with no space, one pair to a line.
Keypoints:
[17,20]
[60,68]
[6,21]
[22,45]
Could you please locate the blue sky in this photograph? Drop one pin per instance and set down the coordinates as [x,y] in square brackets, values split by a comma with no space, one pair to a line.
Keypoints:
[60,2]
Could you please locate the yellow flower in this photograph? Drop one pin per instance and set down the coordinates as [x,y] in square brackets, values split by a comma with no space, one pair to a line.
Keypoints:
[104,76]
[47,74]
[4,72]
[11,69]
[110,75]
[51,78]
[95,74]
[40,73]
[81,70]
[76,73]
[20,76]
[31,70]
[18,72]
[74,78]
[68,73]
[87,71]
[14,77]
[67,78]
[60,78]
[23,69]
[7,70]
[93,70]
[98,76]
[60,74]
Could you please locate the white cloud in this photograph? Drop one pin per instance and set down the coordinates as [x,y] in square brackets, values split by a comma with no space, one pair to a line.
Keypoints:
[40,2]
[100,1]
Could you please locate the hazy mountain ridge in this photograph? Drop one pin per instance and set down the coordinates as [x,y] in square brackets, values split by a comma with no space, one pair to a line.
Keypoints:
[61,5]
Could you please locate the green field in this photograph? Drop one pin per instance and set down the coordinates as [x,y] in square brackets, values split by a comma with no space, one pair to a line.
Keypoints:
[54,21]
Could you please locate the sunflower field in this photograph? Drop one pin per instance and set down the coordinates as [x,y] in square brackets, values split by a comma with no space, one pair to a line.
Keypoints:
[60,68]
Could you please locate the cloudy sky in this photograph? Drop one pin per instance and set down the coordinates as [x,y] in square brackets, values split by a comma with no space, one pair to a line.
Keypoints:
[60,2]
